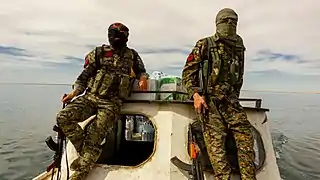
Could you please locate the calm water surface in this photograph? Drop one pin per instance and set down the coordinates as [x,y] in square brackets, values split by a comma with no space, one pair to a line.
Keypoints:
[27,114]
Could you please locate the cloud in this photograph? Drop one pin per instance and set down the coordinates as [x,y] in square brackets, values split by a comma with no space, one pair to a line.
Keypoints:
[278,35]
[165,51]
[267,55]
[13,51]
[74,59]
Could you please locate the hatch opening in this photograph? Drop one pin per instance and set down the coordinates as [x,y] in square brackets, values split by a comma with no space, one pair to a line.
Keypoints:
[131,144]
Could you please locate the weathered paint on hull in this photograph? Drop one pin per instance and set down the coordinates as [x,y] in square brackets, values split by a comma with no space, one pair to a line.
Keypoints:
[171,121]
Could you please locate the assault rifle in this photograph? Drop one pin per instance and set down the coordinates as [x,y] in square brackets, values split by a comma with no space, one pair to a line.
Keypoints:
[195,169]
[58,148]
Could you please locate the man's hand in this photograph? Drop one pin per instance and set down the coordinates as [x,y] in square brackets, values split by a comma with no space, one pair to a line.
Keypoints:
[198,102]
[68,97]
[143,83]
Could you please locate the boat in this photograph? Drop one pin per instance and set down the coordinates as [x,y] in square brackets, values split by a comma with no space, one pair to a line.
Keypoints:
[151,141]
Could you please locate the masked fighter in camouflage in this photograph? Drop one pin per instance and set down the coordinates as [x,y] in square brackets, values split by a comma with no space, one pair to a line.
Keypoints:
[107,83]
[225,82]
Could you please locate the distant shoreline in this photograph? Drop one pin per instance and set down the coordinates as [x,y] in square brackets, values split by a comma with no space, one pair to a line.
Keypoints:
[249,90]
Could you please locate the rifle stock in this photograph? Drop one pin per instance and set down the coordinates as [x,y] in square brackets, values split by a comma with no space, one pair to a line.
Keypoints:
[196,170]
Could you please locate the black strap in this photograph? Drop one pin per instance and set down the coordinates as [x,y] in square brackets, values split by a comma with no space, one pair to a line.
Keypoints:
[207,64]
[132,80]
[98,56]
[210,60]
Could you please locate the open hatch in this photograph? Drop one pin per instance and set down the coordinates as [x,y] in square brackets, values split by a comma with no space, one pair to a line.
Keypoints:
[132,142]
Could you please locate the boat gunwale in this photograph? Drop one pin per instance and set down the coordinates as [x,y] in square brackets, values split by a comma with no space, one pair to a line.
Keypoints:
[191,102]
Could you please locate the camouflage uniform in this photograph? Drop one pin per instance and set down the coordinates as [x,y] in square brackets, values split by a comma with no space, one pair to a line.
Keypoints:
[225,112]
[106,87]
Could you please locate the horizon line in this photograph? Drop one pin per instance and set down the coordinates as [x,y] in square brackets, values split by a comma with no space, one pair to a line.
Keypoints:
[250,90]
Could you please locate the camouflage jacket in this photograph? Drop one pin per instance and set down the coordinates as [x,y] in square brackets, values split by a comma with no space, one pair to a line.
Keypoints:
[113,74]
[230,60]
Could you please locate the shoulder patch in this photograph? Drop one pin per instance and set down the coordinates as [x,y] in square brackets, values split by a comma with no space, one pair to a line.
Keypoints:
[86,62]
[108,54]
[190,57]
[105,51]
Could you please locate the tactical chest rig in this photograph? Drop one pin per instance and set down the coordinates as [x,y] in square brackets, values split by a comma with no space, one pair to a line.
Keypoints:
[112,76]
[211,72]
[223,64]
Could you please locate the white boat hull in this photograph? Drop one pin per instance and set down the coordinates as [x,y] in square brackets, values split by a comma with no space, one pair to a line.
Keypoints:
[171,121]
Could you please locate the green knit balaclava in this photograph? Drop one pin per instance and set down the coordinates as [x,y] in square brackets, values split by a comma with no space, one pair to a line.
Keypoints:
[226,23]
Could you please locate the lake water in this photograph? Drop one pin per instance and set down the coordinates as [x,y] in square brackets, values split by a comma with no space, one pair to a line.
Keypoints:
[27,114]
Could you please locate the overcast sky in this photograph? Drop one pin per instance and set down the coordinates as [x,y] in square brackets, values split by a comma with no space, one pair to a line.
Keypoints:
[46,41]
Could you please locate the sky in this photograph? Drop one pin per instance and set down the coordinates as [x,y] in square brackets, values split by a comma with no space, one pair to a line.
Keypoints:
[46,41]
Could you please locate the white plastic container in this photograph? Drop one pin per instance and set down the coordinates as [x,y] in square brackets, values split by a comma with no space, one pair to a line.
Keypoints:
[152,86]
[170,83]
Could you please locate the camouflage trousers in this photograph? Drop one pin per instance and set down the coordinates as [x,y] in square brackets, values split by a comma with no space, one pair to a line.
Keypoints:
[227,114]
[87,144]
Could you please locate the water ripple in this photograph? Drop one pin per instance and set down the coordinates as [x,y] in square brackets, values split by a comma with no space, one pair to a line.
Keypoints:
[300,159]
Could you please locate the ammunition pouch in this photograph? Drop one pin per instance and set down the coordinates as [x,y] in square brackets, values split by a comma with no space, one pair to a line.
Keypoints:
[124,87]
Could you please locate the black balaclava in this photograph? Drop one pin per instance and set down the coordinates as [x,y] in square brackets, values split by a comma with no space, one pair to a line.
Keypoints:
[118,35]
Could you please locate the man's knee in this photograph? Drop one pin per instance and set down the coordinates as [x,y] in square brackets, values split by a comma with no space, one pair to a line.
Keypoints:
[215,124]
[108,114]
[239,120]
[106,122]
[62,117]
